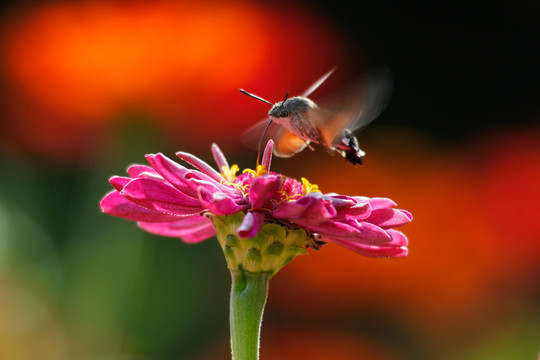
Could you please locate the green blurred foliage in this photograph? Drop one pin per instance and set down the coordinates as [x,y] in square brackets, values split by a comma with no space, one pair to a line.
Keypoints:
[112,288]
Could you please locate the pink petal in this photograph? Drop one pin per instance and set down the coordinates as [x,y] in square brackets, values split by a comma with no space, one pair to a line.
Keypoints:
[116,205]
[372,234]
[336,229]
[118,182]
[196,179]
[201,165]
[353,231]
[192,229]
[341,201]
[370,250]
[264,188]
[388,218]
[381,203]
[398,238]
[267,155]
[252,223]
[308,210]
[220,159]
[291,209]
[359,211]
[155,195]
[407,214]
[171,171]
[139,170]
[219,203]
[350,207]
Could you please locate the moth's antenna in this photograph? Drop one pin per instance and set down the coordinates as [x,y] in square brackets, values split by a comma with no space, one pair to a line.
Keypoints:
[286,97]
[266,128]
[255,96]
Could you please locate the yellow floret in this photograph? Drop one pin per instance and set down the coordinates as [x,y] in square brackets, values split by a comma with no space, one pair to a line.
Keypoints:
[229,174]
[259,171]
[309,187]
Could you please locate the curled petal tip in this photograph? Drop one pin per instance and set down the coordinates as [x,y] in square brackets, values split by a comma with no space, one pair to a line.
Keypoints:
[118,182]
[150,157]
[404,252]
[267,155]
[407,214]
[398,238]
[381,203]
[219,157]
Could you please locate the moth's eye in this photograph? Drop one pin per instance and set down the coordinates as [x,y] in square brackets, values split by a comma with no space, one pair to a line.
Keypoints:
[284,114]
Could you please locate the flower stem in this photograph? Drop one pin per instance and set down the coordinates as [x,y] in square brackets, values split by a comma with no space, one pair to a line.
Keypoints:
[248,298]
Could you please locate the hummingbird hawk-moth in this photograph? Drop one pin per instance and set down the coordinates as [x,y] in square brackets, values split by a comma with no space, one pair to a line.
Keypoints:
[297,122]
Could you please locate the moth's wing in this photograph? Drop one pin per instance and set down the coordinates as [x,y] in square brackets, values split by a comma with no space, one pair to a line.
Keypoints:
[286,144]
[317,83]
[376,94]
[252,136]
[353,108]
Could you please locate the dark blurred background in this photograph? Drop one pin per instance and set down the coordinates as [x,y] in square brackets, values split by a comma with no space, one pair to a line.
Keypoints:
[88,87]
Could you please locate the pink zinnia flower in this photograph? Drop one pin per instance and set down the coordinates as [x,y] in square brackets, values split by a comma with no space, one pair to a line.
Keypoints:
[169,199]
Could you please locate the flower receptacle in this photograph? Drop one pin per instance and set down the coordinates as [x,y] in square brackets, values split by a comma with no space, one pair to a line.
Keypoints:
[273,247]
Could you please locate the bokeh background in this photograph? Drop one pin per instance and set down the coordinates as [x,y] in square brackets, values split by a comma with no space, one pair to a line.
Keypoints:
[88,87]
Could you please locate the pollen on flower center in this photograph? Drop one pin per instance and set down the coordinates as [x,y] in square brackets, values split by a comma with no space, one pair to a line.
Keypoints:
[243,182]
[291,189]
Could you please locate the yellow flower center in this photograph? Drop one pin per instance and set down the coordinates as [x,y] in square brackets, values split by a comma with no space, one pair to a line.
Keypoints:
[229,173]
[309,187]
[291,189]
[260,170]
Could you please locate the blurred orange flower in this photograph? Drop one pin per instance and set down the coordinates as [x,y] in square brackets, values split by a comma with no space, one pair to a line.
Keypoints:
[321,344]
[83,64]
[473,237]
